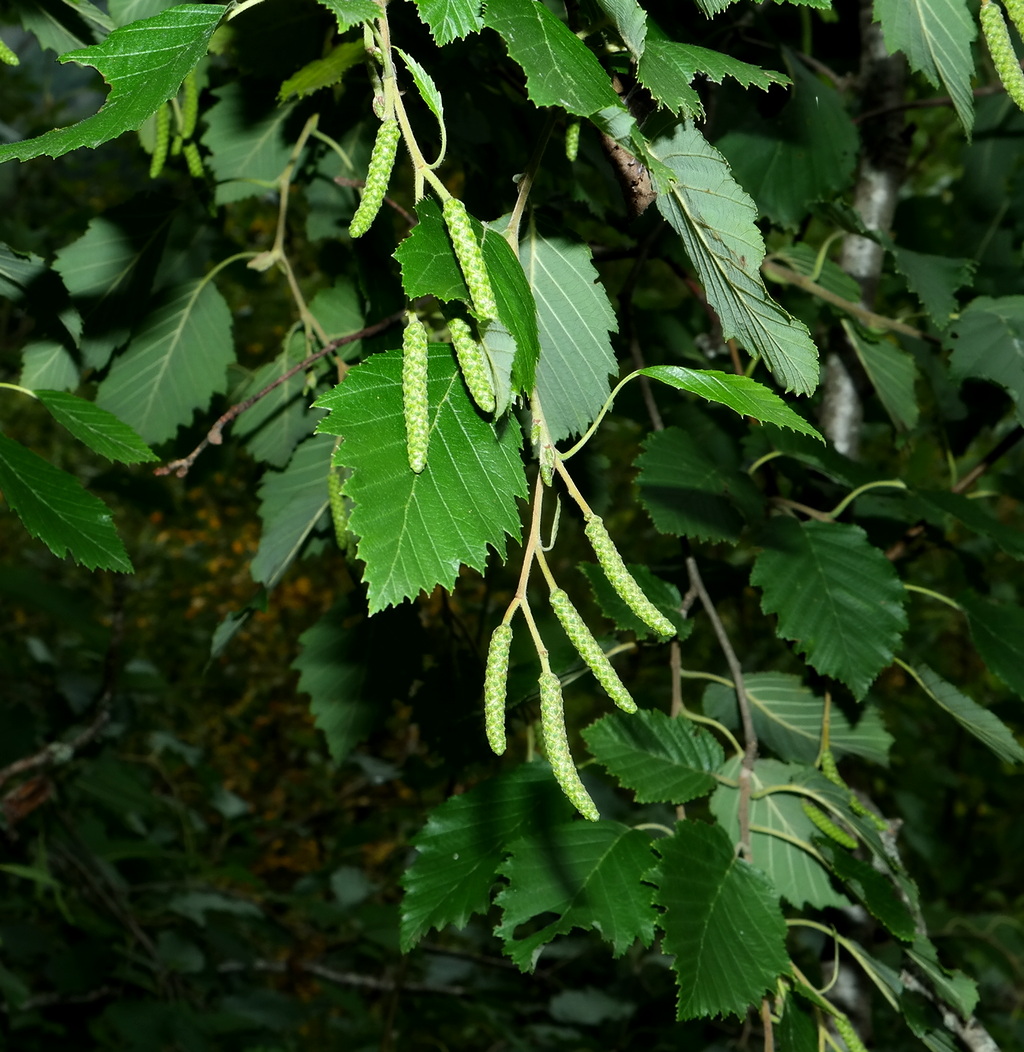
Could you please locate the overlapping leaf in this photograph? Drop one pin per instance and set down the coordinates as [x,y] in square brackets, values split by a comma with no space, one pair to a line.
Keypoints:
[837,597]
[788,719]
[998,633]
[660,759]
[574,319]
[464,840]
[779,826]
[874,889]
[144,63]
[351,12]
[722,922]
[715,219]
[936,37]
[416,530]
[101,431]
[174,365]
[986,341]
[975,516]
[450,19]
[588,874]
[55,508]
[892,373]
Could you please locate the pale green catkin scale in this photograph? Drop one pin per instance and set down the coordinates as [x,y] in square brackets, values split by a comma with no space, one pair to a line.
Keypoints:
[622,580]
[827,826]
[1004,58]
[476,370]
[590,650]
[195,163]
[572,140]
[471,258]
[190,105]
[495,683]
[162,142]
[7,56]
[378,175]
[556,742]
[414,393]
[850,1036]
[339,513]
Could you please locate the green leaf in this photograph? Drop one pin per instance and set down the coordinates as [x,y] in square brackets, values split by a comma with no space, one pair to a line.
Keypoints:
[450,19]
[663,594]
[144,63]
[715,219]
[936,37]
[323,72]
[125,11]
[574,319]
[747,397]
[667,68]
[630,20]
[247,152]
[174,365]
[794,872]
[662,760]
[416,530]
[837,596]
[987,341]
[933,279]
[788,719]
[560,69]
[683,489]
[55,508]
[589,875]
[101,431]
[952,986]
[426,86]
[47,363]
[804,155]
[892,373]
[351,12]
[998,633]
[874,890]
[292,502]
[722,922]
[465,839]
[975,516]
[349,667]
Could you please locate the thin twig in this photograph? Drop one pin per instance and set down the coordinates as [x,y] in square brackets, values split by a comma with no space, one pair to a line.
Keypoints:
[214,436]
[746,716]
[766,1022]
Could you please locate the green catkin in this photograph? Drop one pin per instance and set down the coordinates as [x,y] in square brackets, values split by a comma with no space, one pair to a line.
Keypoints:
[471,258]
[830,770]
[495,684]
[850,1036]
[590,650]
[7,56]
[195,163]
[414,392]
[1015,9]
[162,141]
[1004,58]
[339,513]
[190,105]
[827,826]
[378,175]
[572,140]
[622,580]
[476,369]
[556,743]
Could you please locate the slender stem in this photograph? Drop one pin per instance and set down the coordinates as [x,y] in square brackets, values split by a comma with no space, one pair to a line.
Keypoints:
[19,389]
[933,595]
[851,497]
[526,181]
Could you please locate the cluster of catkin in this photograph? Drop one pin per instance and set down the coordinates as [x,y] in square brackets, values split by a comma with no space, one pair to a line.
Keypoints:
[181,142]
[997,37]
[552,714]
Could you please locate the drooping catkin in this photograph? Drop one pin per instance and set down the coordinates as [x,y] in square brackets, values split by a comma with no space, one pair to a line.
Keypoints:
[556,744]
[7,56]
[850,1036]
[339,513]
[622,580]
[495,685]
[476,369]
[189,105]
[1015,9]
[195,163]
[590,650]
[378,175]
[162,141]
[572,139]
[827,826]
[1004,58]
[414,392]
[829,768]
[471,258]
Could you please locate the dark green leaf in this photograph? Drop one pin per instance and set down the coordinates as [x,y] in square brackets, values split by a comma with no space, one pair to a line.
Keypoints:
[351,12]
[55,508]
[837,596]
[664,595]
[715,219]
[722,922]
[873,889]
[101,431]
[998,633]
[323,72]
[144,63]
[975,516]
[933,279]
[588,874]
[892,373]
[630,20]
[987,341]
[465,839]
[660,759]
[952,986]
[416,530]
[48,364]
[450,19]
[560,69]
